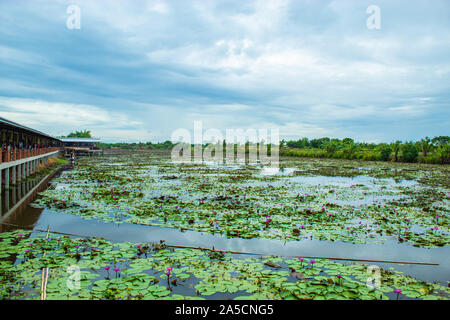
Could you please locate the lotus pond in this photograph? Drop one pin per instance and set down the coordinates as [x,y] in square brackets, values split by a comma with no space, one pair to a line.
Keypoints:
[306,205]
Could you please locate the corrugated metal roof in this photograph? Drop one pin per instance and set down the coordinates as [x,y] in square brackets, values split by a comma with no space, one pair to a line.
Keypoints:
[17,125]
[80,140]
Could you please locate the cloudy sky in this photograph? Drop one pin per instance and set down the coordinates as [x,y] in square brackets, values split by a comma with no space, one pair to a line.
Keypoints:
[138,70]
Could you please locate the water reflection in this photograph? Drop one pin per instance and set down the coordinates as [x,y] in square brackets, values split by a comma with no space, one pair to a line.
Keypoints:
[14,207]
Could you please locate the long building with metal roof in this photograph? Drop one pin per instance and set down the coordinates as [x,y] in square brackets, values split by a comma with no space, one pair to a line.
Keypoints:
[23,151]
[19,136]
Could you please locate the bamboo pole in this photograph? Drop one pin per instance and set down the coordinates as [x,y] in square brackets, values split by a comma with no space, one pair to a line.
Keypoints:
[45,284]
[44,271]
[370,260]
[208,249]
[329,258]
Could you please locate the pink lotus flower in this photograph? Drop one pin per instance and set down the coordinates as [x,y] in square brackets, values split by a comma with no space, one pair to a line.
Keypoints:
[107,268]
[397,291]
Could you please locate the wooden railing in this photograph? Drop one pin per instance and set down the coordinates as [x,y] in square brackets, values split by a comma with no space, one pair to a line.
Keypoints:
[17,154]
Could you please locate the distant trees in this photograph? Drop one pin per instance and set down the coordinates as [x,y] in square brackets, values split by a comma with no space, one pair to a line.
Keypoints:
[80,134]
[436,150]
[396,148]
[166,145]
[441,140]
[409,152]
[319,143]
[331,147]
[425,146]
[385,151]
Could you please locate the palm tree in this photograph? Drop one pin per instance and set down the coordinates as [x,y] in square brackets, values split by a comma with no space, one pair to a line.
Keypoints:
[425,146]
[396,149]
[444,152]
[80,134]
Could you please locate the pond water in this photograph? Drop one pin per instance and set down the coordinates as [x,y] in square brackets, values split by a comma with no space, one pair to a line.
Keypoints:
[390,251]
[366,191]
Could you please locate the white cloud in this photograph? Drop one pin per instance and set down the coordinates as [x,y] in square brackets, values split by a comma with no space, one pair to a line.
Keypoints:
[241,64]
[407,111]
[60,118]
[325,112]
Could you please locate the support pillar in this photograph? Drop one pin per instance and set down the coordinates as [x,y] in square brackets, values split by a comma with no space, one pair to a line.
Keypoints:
[7,201]
[6,179]
[13,200]
[13,175]
[20,194]
[19,172]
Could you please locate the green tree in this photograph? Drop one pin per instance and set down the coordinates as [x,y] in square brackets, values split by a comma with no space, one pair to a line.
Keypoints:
[80,134]
[444,153]
[436,141]
[350,149]
[331,147]
[385,151]
[409,152]
[396,149]
[319,143]
[348,141]
[425,146]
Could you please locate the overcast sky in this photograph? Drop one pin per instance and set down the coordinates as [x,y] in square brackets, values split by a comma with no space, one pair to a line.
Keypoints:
[138,70]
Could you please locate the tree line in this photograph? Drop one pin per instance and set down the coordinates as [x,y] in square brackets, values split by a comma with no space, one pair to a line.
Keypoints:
[427,150]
